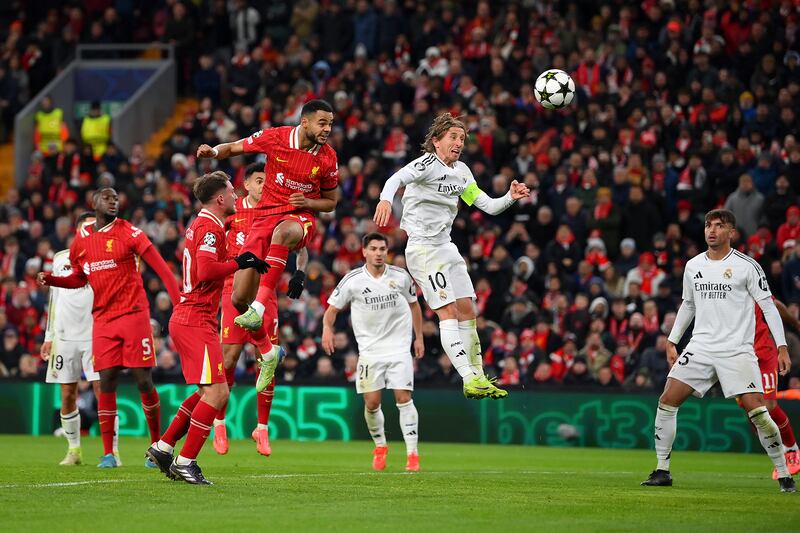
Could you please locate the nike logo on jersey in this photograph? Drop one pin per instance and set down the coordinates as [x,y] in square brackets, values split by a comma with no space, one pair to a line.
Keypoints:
[237,220]
[147,358]
[281,160]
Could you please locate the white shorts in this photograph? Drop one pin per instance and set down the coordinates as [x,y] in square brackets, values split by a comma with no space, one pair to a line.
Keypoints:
[441,272]
[69,360]
[737,374]
[378,373]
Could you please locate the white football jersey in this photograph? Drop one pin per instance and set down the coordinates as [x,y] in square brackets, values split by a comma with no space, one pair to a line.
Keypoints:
[69,316]
[724,293]
[379,310]
[430,201]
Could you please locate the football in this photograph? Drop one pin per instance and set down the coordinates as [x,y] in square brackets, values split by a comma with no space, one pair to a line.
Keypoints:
[554,89]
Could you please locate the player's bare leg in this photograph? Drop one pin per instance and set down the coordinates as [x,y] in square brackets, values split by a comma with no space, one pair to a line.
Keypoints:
[71,424]
[375,425]
[230,356]
[245,288]
[675,393]
[409,425]
[769,435]
[286,236]
[185,467]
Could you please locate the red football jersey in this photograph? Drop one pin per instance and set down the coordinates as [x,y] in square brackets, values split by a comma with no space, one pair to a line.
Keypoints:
[200,299]
[291,170]
[109,258]
[237,226]
[763,343]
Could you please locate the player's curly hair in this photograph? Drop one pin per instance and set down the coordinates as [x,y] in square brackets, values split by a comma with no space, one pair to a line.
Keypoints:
[440,126]
[723,215]
[208,186]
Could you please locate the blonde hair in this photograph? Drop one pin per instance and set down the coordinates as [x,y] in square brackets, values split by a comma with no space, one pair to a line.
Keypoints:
[439,128]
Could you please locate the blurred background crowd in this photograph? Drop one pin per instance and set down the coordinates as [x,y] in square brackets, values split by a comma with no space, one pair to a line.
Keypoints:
[682,106]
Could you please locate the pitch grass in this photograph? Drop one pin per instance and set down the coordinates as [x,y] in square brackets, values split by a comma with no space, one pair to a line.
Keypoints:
[330,487]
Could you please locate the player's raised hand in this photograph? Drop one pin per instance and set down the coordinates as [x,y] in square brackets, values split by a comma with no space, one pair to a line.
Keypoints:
[41,279]
[298,200]
[672,354]
[47,348]
[206,151]
[383,213]
[784,361]
[419,347]
[519,190]
[296,284]
[327,340]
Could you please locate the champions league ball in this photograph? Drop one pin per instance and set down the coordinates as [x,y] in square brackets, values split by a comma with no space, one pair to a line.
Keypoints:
[554,89]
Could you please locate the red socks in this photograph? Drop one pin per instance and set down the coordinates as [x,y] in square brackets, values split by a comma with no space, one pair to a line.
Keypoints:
[276,258]
[780,418]
[264,403]
[152,413]
[180,424]
[106,414]
[199,429]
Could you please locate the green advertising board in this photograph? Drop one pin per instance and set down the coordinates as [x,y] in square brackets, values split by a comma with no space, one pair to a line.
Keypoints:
[309,413]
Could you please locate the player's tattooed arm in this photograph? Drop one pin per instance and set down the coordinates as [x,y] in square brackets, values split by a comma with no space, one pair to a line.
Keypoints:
[325,204]
[221,151]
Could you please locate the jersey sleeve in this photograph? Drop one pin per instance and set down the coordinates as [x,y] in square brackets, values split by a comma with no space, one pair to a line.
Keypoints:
[258,142]
[757,284]
[139,241]
[410,287]
[211,239]
[331,178]
[340,296]
[76,252]
[688,288]
[471,189]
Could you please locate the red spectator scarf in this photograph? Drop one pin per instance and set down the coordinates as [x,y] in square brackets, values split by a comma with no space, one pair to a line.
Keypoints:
[597,259]
[617,364]
[509,378]
[540,339]
[526,358]
[482,299]
[487,244]
[487,144]
[634,339]
[618,328]
[602,210]
[647,278]
[589,77]
[651,325]
[561,362]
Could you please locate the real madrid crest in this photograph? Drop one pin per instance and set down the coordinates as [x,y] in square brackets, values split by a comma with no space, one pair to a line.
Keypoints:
[728,274]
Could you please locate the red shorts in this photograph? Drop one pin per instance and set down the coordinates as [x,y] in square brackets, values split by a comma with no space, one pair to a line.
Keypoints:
[260,236]
[200,353]
[125,341]
[769,377]
[230,333]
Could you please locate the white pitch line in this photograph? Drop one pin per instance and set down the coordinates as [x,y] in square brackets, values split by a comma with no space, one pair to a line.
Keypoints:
[66,484]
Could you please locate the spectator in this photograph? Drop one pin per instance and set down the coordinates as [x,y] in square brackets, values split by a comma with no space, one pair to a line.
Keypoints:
[746,203]
[50,131]
[789,230]
[96,130]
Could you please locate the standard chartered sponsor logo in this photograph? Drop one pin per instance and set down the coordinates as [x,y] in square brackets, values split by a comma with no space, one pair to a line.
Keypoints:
[105,264]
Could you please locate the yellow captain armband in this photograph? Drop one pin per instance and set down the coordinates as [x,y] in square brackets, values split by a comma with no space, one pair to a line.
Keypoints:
[471,193]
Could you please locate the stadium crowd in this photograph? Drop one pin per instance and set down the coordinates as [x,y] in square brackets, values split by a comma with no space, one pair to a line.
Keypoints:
[681,107]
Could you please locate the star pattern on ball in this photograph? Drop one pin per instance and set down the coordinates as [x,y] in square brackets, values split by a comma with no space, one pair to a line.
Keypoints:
[544,96]
[550,76]
[564,89]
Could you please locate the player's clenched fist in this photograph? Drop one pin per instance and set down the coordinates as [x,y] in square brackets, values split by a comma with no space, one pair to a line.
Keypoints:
[249,260]
[206,151]
[382,213]
[519,190]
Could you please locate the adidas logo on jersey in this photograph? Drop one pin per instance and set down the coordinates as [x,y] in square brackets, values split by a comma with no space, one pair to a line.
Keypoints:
[751,386]
[366,291]
[699,275]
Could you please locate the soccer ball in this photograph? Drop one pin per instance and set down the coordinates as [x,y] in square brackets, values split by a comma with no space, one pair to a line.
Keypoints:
[554,89]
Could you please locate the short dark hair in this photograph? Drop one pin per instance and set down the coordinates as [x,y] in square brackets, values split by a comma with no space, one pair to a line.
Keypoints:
[253,167]
[374,236]
[312,106]
[723,215]
[99,191]
[208,185]
[83,216]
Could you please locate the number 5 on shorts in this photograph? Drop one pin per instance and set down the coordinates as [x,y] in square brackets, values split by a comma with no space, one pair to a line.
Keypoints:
[684,359]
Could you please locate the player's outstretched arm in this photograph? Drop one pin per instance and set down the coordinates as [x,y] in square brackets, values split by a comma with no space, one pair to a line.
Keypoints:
[75,280]
[405,176]
[473,195]
[327,328]
[157,263]
[221,151]
[416,321]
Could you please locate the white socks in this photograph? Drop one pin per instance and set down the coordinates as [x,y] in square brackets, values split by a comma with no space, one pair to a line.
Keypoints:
[375,422]
[115,445]
[665,425]
[409,425]
[259,307]
[219,422]
[472,344]
[770,438]
[454,348]
[262,426]
[71,424]
[270,355]
[164,447]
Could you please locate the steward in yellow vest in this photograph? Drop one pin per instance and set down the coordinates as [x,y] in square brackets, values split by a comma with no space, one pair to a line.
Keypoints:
[50,129]
[96,130]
